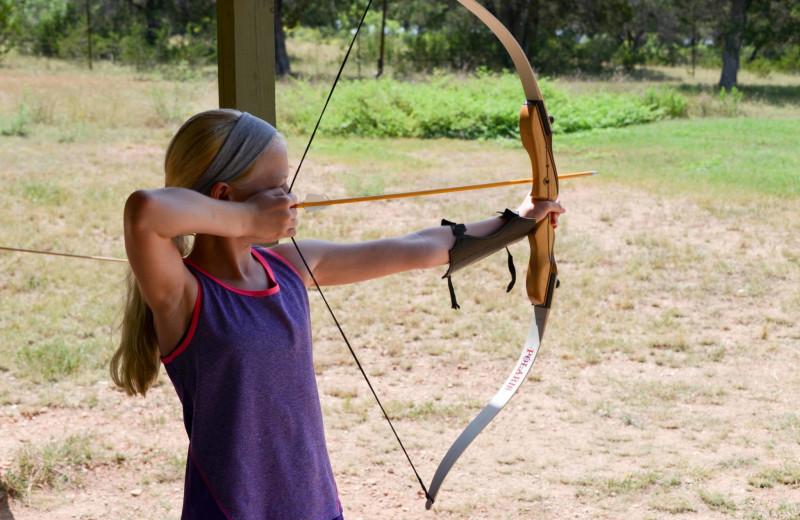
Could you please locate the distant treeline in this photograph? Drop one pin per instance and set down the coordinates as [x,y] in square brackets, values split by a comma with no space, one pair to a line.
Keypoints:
[564,37]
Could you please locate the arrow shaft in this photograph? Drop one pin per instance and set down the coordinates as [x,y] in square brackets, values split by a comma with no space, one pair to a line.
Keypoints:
[437,191]
[68,255]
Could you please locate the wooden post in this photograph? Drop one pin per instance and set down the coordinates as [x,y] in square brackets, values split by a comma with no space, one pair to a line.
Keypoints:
[246,56]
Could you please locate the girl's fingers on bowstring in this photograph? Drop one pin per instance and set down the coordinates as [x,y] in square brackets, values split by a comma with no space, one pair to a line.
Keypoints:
[275,214]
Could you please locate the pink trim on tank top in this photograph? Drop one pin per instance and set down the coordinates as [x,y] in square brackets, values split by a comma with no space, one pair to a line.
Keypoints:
[282,259]
[192,327]
[264,292]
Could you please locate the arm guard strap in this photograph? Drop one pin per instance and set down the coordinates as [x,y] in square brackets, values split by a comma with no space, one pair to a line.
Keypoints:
[469,249]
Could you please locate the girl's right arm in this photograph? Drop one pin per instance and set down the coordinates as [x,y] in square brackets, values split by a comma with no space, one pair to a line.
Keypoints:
[153,217]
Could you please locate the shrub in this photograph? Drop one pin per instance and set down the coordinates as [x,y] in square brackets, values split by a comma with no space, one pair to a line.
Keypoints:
[477,107]
[673,103]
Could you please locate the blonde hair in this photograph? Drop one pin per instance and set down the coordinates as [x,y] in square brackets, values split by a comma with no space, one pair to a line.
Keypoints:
[134,366]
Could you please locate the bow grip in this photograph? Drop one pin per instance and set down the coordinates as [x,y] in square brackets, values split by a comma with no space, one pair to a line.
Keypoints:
[537,138]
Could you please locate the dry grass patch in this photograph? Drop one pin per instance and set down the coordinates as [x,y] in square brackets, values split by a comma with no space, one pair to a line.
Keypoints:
[673,503]
[718,501]
[786,475]
[55,465]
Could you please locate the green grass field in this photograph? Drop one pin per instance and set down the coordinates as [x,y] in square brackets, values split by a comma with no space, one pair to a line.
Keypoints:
[667,384]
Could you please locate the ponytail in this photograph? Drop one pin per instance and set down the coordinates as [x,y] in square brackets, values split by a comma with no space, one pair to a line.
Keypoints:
[134,366]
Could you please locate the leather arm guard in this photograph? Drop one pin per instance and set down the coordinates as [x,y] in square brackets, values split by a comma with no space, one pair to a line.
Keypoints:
[469,249]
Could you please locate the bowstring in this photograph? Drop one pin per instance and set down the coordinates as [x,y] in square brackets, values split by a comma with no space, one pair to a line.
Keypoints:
[314,278]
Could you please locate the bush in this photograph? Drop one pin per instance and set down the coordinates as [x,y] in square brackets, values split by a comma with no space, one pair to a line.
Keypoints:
[134,49]
[790,61]
[629,56]
[667,99]
[51,26]
[761,67]
[19,122]
[730,101]
[477,107]
[594,53]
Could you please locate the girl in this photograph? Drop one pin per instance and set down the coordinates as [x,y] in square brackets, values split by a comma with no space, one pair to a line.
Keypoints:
[230,322]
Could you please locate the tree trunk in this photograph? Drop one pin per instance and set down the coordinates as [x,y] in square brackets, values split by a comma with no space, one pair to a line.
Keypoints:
[89,34]
[516,17]
[282,67]
[152,11]
[694,44]
[527,23]
[732,43]
[383,43]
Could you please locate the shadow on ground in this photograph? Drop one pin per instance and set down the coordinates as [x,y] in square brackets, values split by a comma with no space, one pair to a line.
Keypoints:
[777,95]
[5,509]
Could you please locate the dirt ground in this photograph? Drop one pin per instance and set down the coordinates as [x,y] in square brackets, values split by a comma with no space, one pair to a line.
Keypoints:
[667,384]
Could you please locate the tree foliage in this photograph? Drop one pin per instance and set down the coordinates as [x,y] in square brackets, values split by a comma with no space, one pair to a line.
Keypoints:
[569,36]
[9,26]
[138,32]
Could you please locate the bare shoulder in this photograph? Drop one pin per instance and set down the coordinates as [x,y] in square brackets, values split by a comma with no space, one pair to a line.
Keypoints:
[288,252]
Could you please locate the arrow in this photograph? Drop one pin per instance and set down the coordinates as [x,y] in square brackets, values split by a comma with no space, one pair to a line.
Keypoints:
[315,202]
[68,255]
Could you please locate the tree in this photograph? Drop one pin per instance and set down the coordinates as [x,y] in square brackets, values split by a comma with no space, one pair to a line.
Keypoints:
[282,67]
[733,32]
[773,28]
[9,26]
[694,17]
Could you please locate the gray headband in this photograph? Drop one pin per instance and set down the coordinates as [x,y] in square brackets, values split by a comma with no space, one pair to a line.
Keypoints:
[249,137]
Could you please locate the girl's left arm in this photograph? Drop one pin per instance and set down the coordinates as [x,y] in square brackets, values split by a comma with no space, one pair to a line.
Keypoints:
[342,263]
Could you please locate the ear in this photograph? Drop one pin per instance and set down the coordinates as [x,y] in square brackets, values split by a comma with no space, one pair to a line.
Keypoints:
[221,191]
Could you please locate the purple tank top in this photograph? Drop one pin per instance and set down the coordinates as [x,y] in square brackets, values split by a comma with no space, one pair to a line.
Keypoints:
[245,376]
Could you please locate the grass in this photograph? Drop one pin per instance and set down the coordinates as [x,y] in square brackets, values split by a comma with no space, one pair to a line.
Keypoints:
[56,465]
[787,475]
[53,361]
[730,159]
[718,501]
[673,504]
[430,411]
[788,423]
[635,482]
